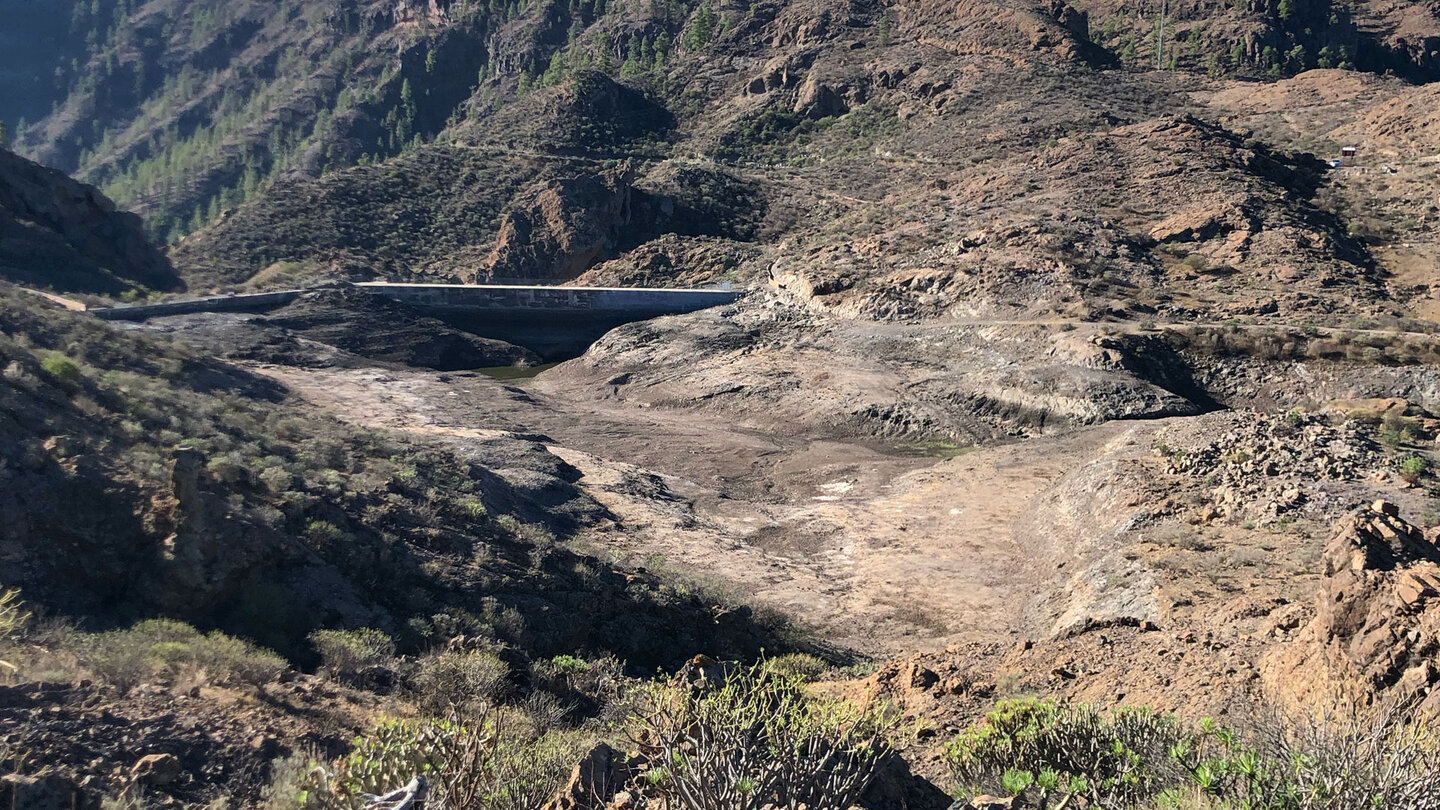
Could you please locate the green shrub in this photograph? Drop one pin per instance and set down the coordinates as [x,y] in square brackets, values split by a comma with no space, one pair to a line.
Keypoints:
[60,368]
[1016,782]
[469,508]
[491,762]
[163,649]
[1132,757]
[1121,757]
[569,665]
[347,653]
[757,739]
[322,534]
[1413,468]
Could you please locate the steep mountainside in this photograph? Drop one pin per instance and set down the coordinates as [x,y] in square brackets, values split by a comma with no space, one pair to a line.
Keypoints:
[183,110]
[35,44]
[1264,38]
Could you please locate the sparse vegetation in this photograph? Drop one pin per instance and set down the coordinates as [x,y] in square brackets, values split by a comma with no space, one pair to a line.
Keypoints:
[496,759]
[757,739]
[1134,757]
[150,651]
[458,681]
[346,654]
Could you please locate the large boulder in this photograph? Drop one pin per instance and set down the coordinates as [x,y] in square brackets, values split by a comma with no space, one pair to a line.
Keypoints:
[1377,615]
[595,781]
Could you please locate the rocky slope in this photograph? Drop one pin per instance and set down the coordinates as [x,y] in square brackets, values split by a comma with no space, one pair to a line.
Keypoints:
[162,483]
[58,234]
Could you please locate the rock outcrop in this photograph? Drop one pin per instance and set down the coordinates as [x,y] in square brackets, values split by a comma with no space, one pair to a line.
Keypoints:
[595,782]
[1376,628]
[562,228]
[52,792]
[377,328]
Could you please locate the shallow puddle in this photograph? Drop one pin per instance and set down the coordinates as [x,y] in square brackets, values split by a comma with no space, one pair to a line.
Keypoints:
[511,373]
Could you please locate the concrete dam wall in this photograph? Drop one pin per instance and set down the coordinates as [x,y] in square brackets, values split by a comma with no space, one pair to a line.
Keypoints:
[639,302]
[555,322]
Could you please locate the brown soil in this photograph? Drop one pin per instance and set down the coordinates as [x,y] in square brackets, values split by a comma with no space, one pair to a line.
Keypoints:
[881,547]
[224,739]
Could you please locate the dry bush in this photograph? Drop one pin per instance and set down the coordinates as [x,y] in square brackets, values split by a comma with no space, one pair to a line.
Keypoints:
[347,654]
[757,740]
[798,665]
[13,620]
[1385,756]
[453,681]
[162,649]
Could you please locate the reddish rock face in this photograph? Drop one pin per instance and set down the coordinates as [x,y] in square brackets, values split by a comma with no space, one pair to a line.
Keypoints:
[562,229]
[1377,614]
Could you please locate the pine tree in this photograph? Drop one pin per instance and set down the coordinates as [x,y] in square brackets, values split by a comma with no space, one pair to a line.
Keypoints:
[702,27]
[1297,59]
[407,97]
[555,73]
[1237,54]
[403,126]
[1270,58]
[632,63]
[4,136]
[604,52]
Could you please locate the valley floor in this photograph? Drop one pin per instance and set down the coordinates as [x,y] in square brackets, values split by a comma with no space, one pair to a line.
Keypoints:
[881,549]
